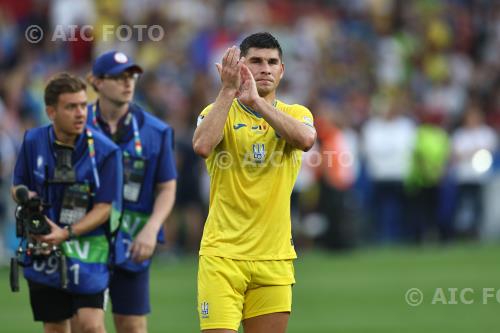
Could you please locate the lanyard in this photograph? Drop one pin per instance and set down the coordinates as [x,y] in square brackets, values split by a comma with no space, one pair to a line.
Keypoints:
[135,127]
[94,116]
[137,138]
[90,142]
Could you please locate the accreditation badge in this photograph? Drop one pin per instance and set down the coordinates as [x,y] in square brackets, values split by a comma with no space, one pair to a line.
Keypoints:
[134,169]
[75,203]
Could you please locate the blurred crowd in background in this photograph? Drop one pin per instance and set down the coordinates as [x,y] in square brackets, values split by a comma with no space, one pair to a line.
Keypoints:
[405,94]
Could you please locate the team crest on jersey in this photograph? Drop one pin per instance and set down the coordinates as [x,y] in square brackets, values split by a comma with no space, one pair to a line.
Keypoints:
[259,152]
[204,309]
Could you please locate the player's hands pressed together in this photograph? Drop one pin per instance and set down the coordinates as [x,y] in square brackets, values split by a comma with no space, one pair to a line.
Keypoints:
[229,71]
[248,93]
[209,133]
[144,244]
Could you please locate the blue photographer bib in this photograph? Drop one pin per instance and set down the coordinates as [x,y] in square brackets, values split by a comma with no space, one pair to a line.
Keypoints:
[147,148]
[98,168]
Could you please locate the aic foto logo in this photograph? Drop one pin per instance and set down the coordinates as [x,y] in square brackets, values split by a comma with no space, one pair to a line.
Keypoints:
[107,32]
[454,296]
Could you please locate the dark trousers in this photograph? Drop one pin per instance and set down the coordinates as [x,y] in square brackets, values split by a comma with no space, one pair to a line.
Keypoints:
[389,203]
[337,206]
[469,210]
[426,217]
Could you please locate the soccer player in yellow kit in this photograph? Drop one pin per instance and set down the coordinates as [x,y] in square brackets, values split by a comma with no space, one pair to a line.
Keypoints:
[252,144]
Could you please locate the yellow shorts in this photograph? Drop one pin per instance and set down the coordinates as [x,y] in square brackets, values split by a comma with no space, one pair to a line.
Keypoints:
[230,291]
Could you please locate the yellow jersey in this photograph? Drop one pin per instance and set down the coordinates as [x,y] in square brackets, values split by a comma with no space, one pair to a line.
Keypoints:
[252,173]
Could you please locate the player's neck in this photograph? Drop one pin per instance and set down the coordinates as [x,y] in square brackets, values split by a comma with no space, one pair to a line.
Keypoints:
[270,98]
[112,112]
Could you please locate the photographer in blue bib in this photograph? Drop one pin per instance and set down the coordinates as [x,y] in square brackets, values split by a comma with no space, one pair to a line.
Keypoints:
[66,179]
[147,144]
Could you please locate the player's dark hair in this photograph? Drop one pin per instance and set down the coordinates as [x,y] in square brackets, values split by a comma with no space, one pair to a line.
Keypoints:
[260,40]
[62,83]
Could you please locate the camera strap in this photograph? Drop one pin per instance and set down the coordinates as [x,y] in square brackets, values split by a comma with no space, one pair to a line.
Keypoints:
[76,196]
[90,143]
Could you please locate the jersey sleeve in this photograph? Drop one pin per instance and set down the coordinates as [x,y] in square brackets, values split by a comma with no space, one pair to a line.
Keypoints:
[203,114]
[111,175]
[166,168]
[302,114]
[225,130]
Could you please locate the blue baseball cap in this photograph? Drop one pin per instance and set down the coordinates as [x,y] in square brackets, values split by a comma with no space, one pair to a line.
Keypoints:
[114,63]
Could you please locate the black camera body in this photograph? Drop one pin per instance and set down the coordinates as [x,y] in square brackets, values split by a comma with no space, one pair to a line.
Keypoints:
[30,220]
[29,217]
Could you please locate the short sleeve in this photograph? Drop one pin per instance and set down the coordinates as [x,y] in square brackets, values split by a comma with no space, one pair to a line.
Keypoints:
[111,175]
[203,114]
[302,114]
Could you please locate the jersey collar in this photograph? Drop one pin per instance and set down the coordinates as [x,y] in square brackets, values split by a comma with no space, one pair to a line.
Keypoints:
[252,112]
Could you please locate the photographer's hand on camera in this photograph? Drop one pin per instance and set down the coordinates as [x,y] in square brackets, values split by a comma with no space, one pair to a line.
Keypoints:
[56,236]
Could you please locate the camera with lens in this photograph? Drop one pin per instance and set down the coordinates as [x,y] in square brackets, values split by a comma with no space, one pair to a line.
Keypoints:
[29,217]
[30,220]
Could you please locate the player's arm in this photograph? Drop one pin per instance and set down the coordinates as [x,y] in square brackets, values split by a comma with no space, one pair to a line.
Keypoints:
[164,202]
[145,242]
[294,132]
[210,131]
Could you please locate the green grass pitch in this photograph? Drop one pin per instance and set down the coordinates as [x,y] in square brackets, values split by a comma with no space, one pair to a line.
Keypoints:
[360,291]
